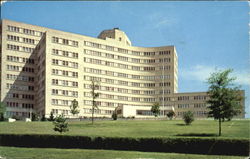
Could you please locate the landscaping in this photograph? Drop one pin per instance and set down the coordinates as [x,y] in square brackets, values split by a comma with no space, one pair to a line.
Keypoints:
[238,129]
[51,153]
[169,136]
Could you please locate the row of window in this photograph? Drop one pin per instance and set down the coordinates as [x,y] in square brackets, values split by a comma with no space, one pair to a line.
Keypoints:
[20,78]
[64,93]
[21,39]
[64,41]
[24,31]
[198,113]
[183,105]
[19,87]
[20,96]
[65,63]
[123,58]
[195,97]
[65,53]
[60,111]
[121,98]
[64,73]
[123,75]
[21,105]
[111,48]
[98,111]
[64,83]
[61,102]
[20,59]
[20,48]
[20,68]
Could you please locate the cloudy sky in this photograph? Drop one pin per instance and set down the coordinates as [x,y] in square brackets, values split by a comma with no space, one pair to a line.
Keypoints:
[207,35]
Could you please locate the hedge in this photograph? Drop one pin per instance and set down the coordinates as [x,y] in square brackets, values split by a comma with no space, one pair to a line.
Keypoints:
[209,146]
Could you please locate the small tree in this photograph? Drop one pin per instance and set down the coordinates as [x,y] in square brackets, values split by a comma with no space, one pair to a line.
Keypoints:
[2,111]
[188,117]
[114,116]
[170,115]
[60,124]
[155,109]
[51,117]
[34,117]
[74,107]
[43,118]
[224,96]
[94,86]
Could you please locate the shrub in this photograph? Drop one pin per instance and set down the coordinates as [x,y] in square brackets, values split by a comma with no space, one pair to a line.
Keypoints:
[60,124]
[209,146]
[114,116]
[34,117]
[188,117]
[170,115]
[43,118]
[51,117]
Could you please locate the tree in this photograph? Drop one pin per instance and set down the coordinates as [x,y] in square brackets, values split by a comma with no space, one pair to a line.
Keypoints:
[224,96]
[51,117]
[60,124]
[155,109]
[74,107]
[114,116]
[170,115]
[43,118]
[2,111]
[34,117]
[188,117]
[94,86]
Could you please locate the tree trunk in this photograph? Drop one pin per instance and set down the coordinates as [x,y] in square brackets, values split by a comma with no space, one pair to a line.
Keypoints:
[92,115]
[219,126]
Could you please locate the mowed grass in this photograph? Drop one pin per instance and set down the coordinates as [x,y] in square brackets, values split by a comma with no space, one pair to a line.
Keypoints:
[52,153]
[134,128]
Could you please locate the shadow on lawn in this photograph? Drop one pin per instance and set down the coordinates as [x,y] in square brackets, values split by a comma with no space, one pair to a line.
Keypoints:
[197,134]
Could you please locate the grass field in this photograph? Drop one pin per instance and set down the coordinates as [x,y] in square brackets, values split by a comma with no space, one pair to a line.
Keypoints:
[134,128]
[46,153]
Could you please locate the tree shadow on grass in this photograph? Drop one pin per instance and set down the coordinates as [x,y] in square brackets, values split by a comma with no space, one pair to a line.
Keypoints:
[198,135]
[181,124]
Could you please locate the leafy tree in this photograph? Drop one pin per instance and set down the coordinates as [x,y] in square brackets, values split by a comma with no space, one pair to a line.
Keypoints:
[155,109]
[170,115]
[224,96]
[51,117]
[2,111]
[188,117]
[60,124]
[94,86]
[114,116]
[34,117]
[74,107]
[43,118]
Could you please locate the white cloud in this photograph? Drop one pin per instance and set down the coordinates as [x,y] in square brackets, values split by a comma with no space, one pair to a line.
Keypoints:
[160,20]
[202,72]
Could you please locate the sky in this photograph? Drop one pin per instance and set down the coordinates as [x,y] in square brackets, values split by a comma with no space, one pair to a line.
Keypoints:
[208,35]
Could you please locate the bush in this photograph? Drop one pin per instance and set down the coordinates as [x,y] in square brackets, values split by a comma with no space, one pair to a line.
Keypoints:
[34,117]
[170,115]
[209,146]
[51,117]
[188,117]
[114,116]
[60,124]
[2,117]
[43,118]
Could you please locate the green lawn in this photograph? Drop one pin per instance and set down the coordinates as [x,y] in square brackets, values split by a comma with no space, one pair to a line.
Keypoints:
[133,128]
[51,153]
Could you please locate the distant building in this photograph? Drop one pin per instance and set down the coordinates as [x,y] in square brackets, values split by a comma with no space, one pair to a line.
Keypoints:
[43,70]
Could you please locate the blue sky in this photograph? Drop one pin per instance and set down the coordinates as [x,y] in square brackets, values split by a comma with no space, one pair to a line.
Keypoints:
[207,35]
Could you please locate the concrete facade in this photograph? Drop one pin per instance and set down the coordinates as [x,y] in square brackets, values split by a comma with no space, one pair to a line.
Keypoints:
[43,70]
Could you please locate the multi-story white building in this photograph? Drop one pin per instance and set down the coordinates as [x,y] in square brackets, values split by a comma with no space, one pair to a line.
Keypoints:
[44,70]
